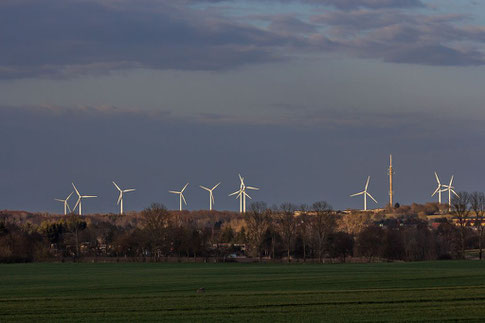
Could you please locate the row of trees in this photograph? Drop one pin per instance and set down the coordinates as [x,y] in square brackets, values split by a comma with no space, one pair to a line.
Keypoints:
[315,233]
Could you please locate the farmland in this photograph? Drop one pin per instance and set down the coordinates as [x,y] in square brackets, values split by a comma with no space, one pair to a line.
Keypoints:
[448,290]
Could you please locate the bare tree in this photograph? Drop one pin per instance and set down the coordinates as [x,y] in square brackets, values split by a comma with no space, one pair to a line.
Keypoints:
[460,209]
[257,222]
[322,222]
[286,223]
[477,206]
[156,220]
[303,223]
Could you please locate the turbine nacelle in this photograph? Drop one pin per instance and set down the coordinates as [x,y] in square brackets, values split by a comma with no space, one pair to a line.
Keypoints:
[365,194]
[120,198]
[80,198]
[181,196]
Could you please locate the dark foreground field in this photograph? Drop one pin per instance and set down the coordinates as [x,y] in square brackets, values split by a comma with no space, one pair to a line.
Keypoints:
[240,292]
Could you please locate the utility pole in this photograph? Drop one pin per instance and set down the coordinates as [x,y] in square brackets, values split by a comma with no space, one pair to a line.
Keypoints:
[390,182]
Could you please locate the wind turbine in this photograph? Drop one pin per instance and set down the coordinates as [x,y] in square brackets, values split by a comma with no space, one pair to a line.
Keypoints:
[449,188]
[365,193]
[241,194]
[439,189]
[211,196]
[80,199]
[66,205]
[181,195]
[120,199]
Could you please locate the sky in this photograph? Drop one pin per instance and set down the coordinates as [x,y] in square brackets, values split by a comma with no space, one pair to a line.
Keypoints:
[304,98]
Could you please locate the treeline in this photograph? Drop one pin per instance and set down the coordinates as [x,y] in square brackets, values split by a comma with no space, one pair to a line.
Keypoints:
[286,233]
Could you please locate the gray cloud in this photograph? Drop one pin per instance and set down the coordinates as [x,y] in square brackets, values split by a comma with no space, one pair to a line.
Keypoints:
[58,38]
[353,4]
[342,4]
[63,39]
[401,37]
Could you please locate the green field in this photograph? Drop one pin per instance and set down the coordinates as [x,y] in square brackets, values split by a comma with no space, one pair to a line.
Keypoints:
[240,292]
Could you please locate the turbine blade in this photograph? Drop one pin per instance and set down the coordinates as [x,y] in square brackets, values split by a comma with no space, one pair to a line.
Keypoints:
[119,198]
[451,181]
[116,185]
[174,192]
[247,195]
[357,194]
[183,189]
[129,190]
[59,200]
[252,188]
[216,186]
[455,193]
[183,198]
[367,183]
[77,192]
[236,192]
[371,197]
[77,203]
[205,188]
[437,179]
[69,196]
[68,207]
[436,190]
[88,196]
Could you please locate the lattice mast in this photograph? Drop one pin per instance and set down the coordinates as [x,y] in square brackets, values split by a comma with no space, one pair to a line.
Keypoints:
[391,172]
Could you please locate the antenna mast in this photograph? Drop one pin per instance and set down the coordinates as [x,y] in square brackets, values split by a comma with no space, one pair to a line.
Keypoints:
[390,182]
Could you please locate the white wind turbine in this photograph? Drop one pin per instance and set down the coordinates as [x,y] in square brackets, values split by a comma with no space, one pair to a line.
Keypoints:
[181,195]
[241,194]
[365,193]
[439,189]
[211,196]
[120,199]
[80,200]
[66,205]
[449,188]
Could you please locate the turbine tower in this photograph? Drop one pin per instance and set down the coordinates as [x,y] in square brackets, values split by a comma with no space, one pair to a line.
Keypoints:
[241,194]
[449,188]
[211,196]
[181,195]
[365,193]
[66,205]
[80,200]
[439,189]
[120,198]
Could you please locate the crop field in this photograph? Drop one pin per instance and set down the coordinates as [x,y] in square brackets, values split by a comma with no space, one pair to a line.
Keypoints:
[427,291]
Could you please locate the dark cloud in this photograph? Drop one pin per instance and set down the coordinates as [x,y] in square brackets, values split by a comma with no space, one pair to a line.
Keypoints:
[375,4]
[67,37]
[402,37]
[59,38]
[341,4]
[290,24]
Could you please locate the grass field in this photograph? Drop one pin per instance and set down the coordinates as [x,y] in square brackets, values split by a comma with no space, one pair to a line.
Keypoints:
[239,292]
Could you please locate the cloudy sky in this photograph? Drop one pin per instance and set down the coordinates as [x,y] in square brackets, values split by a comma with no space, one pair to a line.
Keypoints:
[305,98]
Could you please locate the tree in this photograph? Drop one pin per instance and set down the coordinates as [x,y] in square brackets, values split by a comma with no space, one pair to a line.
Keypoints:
[460,209]
[341,245]
[75,224]
[156,225]
[286,224]
[369,242]
[322,223]
[477,206]
[257,222]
